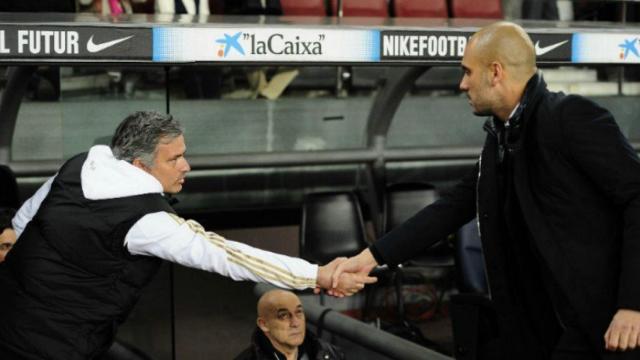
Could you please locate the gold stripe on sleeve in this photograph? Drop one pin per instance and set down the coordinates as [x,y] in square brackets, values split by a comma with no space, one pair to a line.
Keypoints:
[254,264]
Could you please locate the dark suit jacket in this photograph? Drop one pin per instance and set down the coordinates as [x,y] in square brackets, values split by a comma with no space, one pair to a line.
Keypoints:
[577,180]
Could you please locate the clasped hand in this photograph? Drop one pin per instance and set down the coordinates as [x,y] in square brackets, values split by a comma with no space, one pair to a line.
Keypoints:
[346,276]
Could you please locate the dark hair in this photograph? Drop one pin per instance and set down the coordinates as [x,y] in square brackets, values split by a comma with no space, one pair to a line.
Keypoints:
[138,135]
[6,214]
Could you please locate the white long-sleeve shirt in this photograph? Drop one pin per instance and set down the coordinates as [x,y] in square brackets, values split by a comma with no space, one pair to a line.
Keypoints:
[170,237]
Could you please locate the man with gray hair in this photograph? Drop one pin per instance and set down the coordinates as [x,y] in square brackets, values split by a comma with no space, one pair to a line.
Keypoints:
[94,235]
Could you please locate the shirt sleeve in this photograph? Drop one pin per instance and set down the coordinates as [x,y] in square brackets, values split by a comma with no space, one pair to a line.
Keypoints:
[30,207]
[185,242]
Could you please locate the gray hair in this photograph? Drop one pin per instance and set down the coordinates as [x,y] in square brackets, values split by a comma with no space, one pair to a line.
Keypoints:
[139,134]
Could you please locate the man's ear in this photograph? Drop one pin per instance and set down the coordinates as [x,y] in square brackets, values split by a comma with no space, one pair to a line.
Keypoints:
[262,325]
[139,164]
[496,73]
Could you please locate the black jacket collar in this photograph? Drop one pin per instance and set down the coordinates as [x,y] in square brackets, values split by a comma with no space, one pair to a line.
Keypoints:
[532,93]
[262,344]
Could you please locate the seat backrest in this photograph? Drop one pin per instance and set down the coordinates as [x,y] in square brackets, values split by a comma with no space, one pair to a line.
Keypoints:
[8,188]
[303,8]
[469,260]
[403,200]
[369,8]
[421,8]
[332,226]
[486,9]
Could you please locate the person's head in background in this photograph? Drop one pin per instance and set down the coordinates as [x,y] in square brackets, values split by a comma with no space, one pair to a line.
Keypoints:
[281,319]
[7,234]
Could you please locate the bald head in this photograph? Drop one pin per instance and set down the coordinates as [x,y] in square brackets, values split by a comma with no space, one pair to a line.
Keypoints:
[508,44]
[272,299]
[281,319]
[498,62]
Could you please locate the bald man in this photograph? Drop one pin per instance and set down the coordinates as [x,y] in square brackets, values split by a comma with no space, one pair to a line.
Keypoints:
[281,333]
[557,196]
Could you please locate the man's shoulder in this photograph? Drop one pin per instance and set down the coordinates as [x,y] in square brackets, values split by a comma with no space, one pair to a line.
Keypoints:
[247,354]
[559,102]
[325,349]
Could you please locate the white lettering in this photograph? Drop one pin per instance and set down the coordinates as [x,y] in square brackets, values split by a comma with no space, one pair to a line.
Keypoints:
[387,45]
[433,45]
[452,47]
[46,35]
[414,46]
[58,43]
[72,42]
[462,43]
[3,48]
[404,50]
[22,40]
[442,46]
[48,41]
[34,42]
[423,45]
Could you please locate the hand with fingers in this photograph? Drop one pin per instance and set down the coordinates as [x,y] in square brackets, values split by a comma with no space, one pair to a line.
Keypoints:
[624,331]
[351,283]
[345,285]
[360,265]
[324,279]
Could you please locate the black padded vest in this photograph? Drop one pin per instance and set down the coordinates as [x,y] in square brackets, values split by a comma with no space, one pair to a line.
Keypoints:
[69,281]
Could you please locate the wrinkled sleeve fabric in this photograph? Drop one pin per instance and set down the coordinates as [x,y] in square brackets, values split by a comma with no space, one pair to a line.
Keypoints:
[30,207]
[430,225]
[186,242]
[601,151]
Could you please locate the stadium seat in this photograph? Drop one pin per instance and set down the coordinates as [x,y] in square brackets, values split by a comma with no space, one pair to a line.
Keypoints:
[332,226]
[303,8]
[401,202]
[420,8]
[365,8]
[488,9]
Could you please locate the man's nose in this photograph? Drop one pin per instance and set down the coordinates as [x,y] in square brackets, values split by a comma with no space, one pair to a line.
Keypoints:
[295,322]
[186,167]
[463,84]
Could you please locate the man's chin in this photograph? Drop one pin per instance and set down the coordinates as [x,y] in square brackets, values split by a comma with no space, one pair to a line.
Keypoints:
[482,113]
[296,339]
[174,190]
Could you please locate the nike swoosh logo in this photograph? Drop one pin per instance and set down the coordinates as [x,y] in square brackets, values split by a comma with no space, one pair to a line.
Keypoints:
[94,48]
[546,49]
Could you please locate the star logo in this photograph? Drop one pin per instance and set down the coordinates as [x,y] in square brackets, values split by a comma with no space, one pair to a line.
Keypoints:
[628,46]
[229,42]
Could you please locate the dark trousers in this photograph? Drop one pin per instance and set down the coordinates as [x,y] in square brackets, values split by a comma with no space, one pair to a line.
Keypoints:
[9,355]
[574,345]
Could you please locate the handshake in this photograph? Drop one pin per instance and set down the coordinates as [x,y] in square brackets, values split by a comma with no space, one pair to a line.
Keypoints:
[346,276]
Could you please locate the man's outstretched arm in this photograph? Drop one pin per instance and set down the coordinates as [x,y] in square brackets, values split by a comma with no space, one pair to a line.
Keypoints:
[186,242]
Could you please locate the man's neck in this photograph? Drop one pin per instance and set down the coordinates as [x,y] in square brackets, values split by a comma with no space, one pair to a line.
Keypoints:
[290,352]
[511,102]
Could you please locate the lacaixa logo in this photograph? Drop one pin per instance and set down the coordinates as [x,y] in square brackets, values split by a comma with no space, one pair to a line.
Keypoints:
[628,46]
[270,44]
[228,43]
